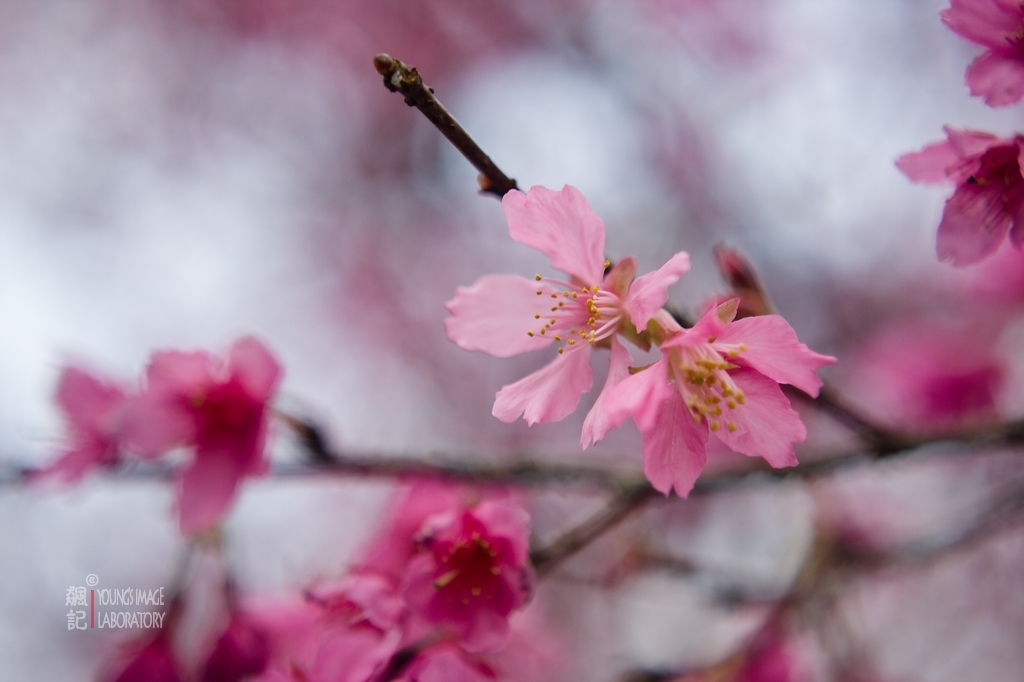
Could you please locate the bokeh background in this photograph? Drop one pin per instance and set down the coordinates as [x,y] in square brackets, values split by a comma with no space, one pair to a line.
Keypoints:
[179,174]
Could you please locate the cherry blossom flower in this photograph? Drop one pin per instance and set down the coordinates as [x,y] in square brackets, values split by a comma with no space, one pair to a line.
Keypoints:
[94,409]
[953,377]
[505,315]
[220,410]
[154,662]
[471,572]
[998,25]
[446,663]
[989,199]
[241,652]
[325,638]
[722,377]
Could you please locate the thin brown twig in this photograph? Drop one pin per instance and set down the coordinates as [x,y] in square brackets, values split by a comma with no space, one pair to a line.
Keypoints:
[572,541]
[406,80]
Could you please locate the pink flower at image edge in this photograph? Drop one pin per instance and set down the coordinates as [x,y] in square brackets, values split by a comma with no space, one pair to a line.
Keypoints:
[998,73]
[988,202]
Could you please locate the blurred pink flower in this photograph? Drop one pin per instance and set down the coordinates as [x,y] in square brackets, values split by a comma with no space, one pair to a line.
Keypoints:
[154,662]
[777,660]
[446,663]
[989,199]
[505,315]
[323,640]
[953,374]
[998,74]
[94,410]
[220,409]
[472,572]
[721,376]
[241,652]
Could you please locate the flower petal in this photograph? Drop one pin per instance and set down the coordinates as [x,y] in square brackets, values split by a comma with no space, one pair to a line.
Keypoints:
[649,292]
[561,226]
[674,448]
[207,487]
[773,349]
[549,394]
[931,164]
[78,460]
[255,367]
[640,396]
[599,422]
[87,401]
[495,314]
[998,78]
[973,225]
[155,423]
[766,424]
[984,23]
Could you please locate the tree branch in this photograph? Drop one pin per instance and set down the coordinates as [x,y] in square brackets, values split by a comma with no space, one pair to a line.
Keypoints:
[406,80]
[572,541]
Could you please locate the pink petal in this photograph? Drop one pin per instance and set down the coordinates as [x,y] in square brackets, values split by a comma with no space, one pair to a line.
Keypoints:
[971,143]
[510,522]
[649,292]
[155,423]
[973,225]
[88,401]
[599,422]
[709,327]
[255,368]
[931,164]
[549,394]
[154,663]
[984,22]
[620,276]
[640,396]
[674,448]
[377,598]
[1000,79]
[767,426]
[207,487]
[76,461]
[353,655]
[177,372]
[561,226]
[495,314]
[774,351]
[446,666]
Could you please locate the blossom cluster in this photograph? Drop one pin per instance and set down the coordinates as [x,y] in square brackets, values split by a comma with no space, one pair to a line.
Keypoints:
[987,204]
[721,376]
[216,408]
[439,582]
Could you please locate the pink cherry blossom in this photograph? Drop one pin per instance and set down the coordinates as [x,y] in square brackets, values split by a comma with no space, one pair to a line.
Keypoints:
[241,652]
[154,662]
[953,375]
[325,638]
[998,25]
[722,377]
[505,315]
[446,663]
[94,409]
[472,572]
[988,201]
[216,407]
